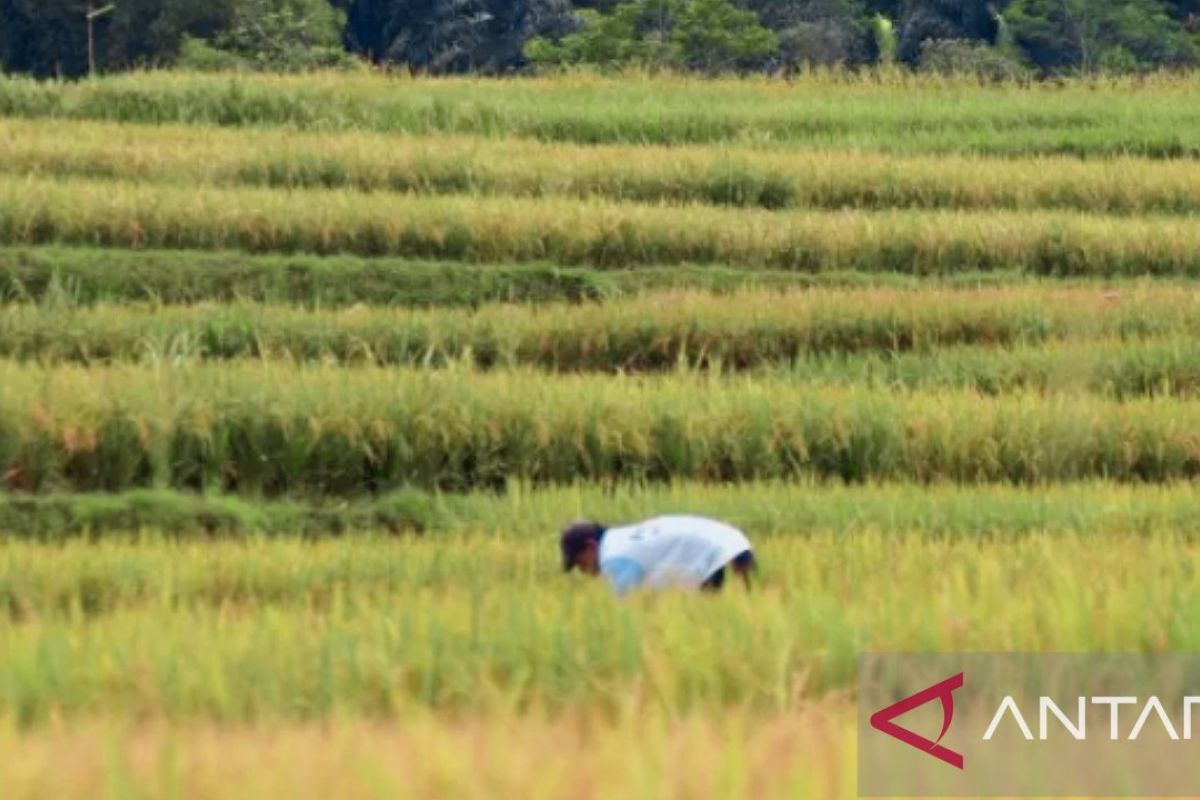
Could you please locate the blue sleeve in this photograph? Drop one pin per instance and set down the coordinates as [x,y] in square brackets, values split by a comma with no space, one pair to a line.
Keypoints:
[624,573]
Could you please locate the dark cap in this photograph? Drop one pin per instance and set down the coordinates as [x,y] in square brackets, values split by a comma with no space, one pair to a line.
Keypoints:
[575,538]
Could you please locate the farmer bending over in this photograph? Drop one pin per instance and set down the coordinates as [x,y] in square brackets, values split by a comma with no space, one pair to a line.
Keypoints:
[691,552]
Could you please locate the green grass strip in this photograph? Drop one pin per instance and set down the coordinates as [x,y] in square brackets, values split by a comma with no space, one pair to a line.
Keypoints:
[1154,117]
[522,511]
[71,277]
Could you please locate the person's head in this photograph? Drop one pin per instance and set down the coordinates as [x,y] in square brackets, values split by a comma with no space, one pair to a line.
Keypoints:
[581,547]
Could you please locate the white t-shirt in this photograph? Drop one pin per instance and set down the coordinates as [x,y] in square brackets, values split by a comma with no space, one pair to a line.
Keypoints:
[668,551]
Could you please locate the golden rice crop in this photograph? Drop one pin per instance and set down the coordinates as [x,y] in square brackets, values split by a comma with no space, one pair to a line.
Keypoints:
[722,175]
[741,328]
[117,214]
[263,428]
[806,753]
[269,629]
[1125,343]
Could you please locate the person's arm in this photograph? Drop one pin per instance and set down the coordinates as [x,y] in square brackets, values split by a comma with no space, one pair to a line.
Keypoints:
[744,566]
[623,573]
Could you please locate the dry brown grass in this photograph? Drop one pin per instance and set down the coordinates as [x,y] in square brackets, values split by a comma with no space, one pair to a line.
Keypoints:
[805,754]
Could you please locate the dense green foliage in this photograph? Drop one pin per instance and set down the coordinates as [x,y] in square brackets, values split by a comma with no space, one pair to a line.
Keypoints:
[273,35]
[711,36]
[49,37]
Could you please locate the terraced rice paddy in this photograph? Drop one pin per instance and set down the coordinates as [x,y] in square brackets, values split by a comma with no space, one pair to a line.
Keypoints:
[299,378]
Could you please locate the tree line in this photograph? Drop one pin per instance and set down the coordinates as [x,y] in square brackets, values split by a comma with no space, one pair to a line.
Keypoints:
[992,38]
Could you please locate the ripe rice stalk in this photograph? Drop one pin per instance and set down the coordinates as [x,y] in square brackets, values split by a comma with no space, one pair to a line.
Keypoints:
[264,429]
[738,176]
[656,332]
[480,230]
[269,630]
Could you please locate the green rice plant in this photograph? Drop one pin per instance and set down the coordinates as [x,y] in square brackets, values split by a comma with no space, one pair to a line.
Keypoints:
[241,632]
[1114,368]
[85,276]
[740,176]
[1154,117]
[480,230]
[281,430]
[797,508]
[74,277]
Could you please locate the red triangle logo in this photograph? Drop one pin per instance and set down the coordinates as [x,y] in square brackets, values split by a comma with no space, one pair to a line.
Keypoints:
[882,720]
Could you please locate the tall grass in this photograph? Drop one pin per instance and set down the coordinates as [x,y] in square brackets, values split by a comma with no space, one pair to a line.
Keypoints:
[1155,118]
[266,429]
[270,630]
[115,214]
[722,175]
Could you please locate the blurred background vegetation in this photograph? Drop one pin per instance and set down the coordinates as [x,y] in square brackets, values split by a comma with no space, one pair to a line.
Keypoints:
[996,39]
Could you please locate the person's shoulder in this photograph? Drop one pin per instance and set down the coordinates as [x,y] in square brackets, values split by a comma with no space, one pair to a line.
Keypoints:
[692,522]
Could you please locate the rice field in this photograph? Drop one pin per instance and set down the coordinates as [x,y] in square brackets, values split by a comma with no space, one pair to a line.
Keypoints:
[266,630]
[299,378]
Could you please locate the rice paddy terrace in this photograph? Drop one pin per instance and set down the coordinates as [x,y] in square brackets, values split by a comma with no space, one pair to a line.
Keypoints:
[299,377]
